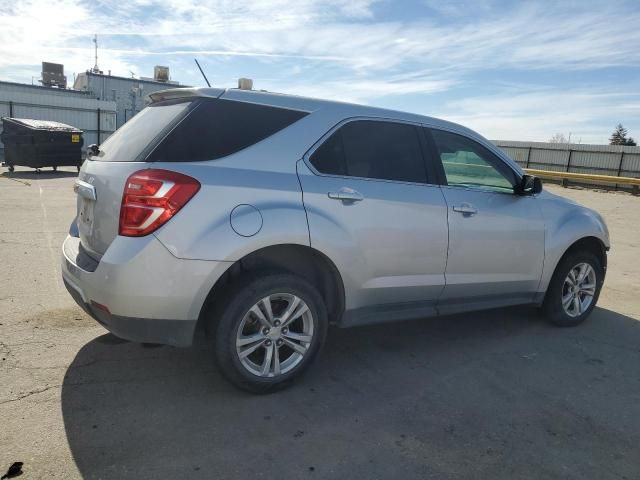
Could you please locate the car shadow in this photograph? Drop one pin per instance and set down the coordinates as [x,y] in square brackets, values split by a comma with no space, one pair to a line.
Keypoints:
[497,394]
[44,173]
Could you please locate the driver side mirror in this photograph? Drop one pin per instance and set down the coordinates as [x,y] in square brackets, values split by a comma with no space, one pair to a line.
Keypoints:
[529,185]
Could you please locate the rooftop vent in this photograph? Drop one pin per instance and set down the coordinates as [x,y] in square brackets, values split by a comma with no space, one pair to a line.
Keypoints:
[245,84]
[160,73]
[53,75]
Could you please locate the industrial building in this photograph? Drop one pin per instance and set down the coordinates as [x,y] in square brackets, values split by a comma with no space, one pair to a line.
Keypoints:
[98,103]
[127,93]
[97,118]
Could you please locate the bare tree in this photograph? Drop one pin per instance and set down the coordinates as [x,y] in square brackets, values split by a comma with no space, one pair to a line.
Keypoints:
[562,138]
[558,138]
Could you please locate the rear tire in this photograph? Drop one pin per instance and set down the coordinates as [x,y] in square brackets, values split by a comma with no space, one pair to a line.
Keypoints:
[574,289]
[259,347]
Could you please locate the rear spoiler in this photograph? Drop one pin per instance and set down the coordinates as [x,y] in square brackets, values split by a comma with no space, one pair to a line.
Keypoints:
[176,93]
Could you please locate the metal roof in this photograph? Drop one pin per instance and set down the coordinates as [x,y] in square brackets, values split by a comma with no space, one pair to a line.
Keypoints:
[131,79]
[43,89]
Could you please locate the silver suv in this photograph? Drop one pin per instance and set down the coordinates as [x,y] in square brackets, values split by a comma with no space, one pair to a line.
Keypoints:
[265,217]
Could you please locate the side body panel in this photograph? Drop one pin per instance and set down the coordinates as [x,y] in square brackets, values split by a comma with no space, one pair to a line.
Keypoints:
[495,255]
[566,223]
[390,248]
[203,229]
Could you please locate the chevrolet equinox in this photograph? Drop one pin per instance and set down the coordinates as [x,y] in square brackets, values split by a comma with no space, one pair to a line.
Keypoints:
[265,217]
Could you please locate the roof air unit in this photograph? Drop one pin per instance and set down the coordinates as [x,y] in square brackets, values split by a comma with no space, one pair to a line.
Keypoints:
[53,75]
[160,73]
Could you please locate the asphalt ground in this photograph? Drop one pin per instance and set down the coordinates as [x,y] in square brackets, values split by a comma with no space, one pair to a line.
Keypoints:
[497,394]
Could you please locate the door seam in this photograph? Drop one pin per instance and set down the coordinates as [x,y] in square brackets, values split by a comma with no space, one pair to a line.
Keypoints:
[446,260]
[304,207]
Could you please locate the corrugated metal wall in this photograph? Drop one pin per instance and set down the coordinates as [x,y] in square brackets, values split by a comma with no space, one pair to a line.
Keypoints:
[74,108]
[614,160]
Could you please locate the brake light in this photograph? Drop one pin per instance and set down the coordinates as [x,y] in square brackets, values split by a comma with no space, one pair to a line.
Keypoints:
[151,197]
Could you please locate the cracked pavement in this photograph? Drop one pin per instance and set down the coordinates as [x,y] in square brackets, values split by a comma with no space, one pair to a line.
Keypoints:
[496,394]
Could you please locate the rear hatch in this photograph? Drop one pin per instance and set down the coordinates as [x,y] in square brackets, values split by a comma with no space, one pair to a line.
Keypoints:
[102,177]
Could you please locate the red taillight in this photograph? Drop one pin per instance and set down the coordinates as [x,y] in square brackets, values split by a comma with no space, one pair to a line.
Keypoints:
[151,197]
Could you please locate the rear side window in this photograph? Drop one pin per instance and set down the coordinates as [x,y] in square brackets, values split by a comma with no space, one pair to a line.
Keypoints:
[373,149]
[217,128]
[130,141]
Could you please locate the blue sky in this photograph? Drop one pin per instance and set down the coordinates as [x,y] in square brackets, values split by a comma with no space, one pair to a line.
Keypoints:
[511,70]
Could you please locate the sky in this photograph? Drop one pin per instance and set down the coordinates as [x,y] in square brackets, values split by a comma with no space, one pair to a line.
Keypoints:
[520,70]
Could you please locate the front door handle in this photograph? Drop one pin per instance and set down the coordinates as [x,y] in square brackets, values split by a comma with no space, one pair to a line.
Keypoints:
[346,195]
[466,209]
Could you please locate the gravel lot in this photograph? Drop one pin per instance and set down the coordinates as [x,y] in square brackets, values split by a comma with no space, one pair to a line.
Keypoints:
[498,394]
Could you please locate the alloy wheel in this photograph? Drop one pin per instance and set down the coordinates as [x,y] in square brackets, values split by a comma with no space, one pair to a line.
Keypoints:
[274,335]
[578,289]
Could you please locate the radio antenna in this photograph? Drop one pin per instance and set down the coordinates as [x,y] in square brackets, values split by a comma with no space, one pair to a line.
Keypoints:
[95,41]
[202,72]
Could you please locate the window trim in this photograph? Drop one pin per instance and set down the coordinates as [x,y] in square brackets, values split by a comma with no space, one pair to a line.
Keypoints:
[431,180]
[439,167]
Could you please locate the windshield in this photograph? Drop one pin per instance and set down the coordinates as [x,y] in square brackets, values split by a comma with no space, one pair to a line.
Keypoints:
[130,140]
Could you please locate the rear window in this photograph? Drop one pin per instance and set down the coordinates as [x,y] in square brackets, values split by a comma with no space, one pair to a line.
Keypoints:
[133,138]
[217,128]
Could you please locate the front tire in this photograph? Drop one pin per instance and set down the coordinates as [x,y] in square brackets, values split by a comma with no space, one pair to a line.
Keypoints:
[574,289]
[270,332]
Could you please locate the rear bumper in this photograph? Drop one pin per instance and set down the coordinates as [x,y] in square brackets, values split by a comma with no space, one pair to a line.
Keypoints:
[148,330]
[139,291]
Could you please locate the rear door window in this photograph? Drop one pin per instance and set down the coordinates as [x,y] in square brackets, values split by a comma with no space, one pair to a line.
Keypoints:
[373,149]
[329,157]
[217,128]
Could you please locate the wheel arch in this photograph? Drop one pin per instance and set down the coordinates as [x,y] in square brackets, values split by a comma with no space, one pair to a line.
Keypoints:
[296,259]
[589,243]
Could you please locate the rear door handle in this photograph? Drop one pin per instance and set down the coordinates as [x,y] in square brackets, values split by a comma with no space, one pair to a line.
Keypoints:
[465,209]
[346,195]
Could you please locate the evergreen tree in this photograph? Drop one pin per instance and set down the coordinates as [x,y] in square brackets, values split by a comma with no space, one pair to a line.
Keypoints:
[619,137]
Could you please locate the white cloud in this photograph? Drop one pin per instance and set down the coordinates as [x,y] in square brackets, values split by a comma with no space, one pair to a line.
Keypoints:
[530,38]
[341,49]
[536,115]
